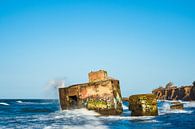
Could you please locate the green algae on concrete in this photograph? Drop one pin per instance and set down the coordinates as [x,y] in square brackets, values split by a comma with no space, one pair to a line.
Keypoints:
[143,105]
[97,104]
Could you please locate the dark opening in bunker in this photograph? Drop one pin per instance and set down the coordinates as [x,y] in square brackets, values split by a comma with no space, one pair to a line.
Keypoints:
[73,101]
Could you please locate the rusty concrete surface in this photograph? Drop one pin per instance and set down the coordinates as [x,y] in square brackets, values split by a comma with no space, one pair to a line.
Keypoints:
[100,94]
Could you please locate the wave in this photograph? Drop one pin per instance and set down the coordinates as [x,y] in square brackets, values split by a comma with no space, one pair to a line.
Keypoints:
[77,119]
[33,103]
[2,103]
[89,126]
[125,107]
[36,110]
[132,118]
[189,104]
[19,101]
[165,108]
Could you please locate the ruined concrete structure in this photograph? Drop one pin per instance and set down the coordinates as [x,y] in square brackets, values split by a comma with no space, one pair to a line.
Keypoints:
[98,76]
[143,105]
[186,93]
[100,94]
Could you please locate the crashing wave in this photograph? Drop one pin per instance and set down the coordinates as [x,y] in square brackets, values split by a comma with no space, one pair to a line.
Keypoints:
[189,104]
[125,107]
[165,108]
[77,119]
[6,104]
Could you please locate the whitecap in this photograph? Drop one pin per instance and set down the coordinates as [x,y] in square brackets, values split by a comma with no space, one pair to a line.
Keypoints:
[6,104]
[126,117]
[88,119]
[125,107]
[151,121]
[88,126]
[180,111]
[189,104]
[33,103]
[19,101]
[165,109]
[94,125]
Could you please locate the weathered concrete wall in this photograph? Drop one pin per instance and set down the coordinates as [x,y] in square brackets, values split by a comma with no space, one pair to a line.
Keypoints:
[186,93]
[103,96]
[143,105]
[97,76]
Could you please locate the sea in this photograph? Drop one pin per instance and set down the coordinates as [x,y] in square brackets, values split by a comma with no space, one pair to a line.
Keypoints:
[46,114]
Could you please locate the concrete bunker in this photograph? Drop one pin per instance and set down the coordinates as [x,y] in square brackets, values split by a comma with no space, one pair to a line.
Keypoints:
[73,101]
[101,94]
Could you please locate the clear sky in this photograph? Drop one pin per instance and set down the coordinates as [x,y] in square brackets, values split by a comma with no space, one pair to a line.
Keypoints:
[143,43]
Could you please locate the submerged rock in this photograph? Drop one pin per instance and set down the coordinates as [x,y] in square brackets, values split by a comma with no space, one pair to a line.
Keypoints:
[176,105]
[101,94]
[143,105]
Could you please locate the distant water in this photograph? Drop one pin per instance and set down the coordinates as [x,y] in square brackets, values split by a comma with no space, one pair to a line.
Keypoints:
[46,114]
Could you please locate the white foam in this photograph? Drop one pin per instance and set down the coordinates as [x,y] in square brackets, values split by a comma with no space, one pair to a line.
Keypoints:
[19,101]
[78,127]
[32,103]
[125,107]
[48,127]
[126,117]
[77,119]
[165,108]
[84,111]
[189,104]
[2,103]
[94,125]
[180,111]
[150,121]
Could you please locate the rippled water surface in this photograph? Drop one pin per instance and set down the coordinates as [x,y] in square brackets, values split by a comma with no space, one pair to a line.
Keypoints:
[46,114]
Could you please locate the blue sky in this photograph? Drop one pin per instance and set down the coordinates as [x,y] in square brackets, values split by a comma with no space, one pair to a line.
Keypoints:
[144,44]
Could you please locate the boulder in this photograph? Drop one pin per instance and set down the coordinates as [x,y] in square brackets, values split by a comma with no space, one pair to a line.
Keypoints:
[143,105]
[171,92]
[192,93]
[125,99]
[176,105]
[173,103]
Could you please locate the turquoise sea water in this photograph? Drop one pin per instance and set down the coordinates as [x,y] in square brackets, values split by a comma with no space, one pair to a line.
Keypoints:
[17,114]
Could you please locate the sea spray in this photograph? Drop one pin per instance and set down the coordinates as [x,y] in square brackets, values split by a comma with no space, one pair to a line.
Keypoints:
[77,119]
[51,88]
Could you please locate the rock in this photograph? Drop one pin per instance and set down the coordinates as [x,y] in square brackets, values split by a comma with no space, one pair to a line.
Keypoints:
[100,94]
[177,105]
[143,105]
[160,93]
[169,85]
[192,92]
[125,99]
[186,93]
